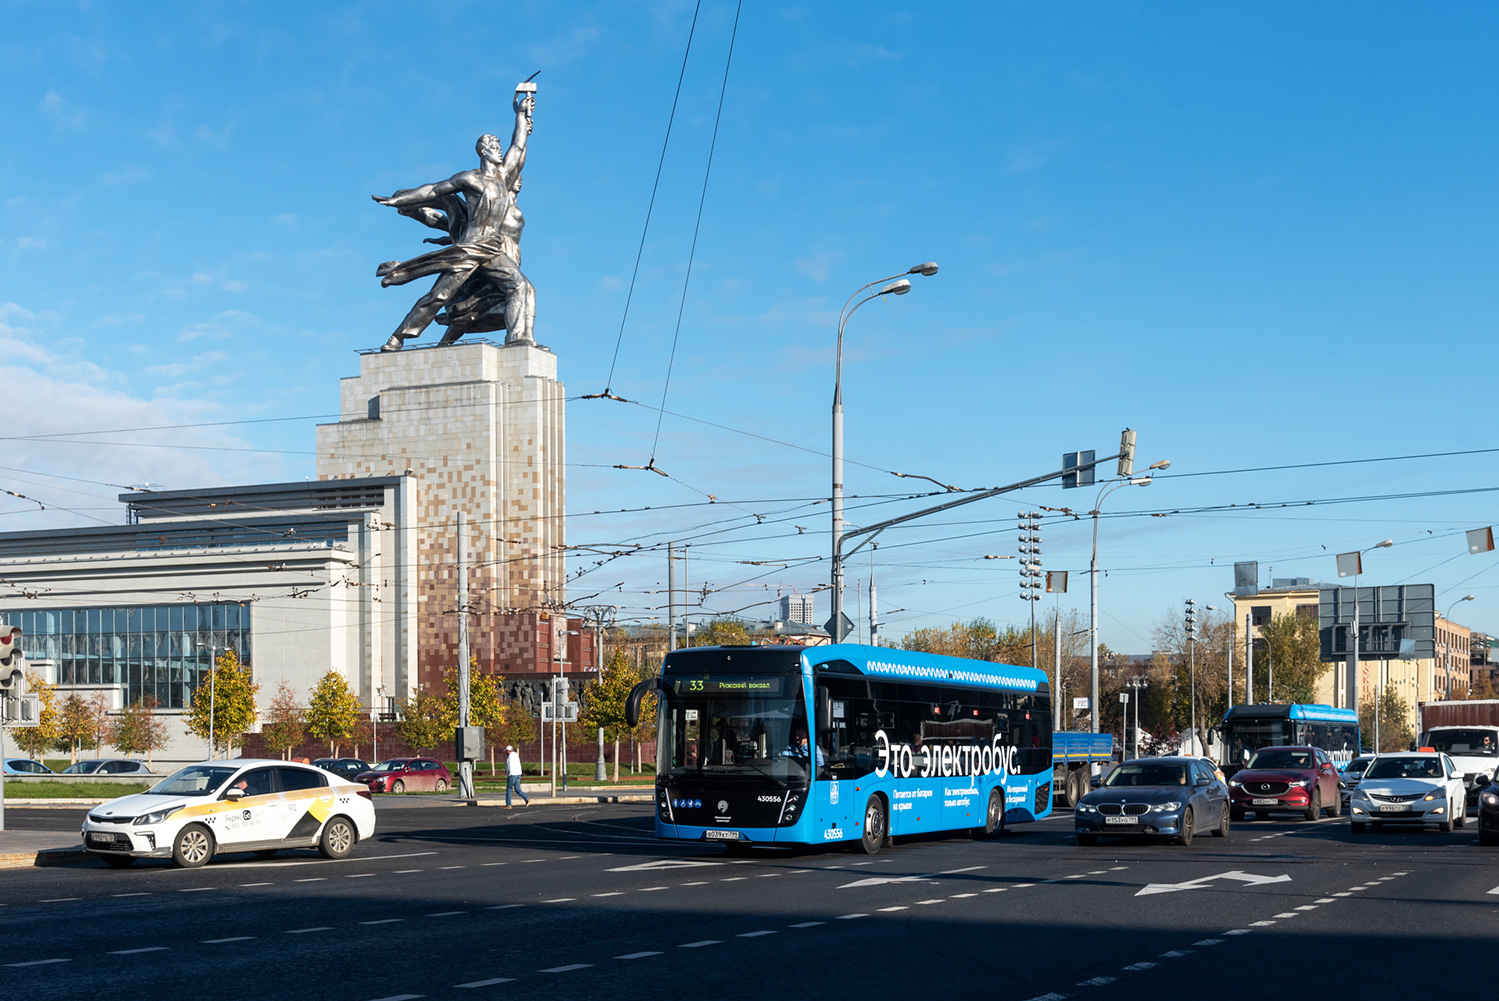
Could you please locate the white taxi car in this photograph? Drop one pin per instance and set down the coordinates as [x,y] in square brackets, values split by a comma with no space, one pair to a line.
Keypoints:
[1419,787]
[232,806]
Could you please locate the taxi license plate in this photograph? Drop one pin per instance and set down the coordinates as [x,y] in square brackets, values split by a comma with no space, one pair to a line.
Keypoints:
[1392,808]
[1266,802]
[722,835]
[96,838]
[1121,820]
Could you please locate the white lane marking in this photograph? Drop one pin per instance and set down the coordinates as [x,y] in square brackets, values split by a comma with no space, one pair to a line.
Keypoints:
[526,860]
[1209,941]
[40,962]
[503,907]
[807,924]
[559,900]
[312,879]
[317,861]
[1118,868]
[1142,966]
[1288,914]
[885,910]
[561,858]
[1201,882]
[732,879]
[882,880]
[1053,996]
[1081,875]
[401,997]
[452,867]
[924,903]
[1259,924]
[793,872]
[568,968]
[1099,872]
[1356,889]
[701,883]
[506,980]
[753,934]
[1399,874]
[487,983]
[849,917]
[1307,907]
[1176,953]
[665,863]
[132,952]
[58,900]
[143,894]
[613,893]
[1237,931]
[1098,982]
[699,945]
[359,875]
[959,896]
[1342,894]
[637,955]
[402,872]
[1021,886]
[383,921]
[446,914]
[195,889]
[1324,900]
[861,863]
[652,889]
[764,874]
[305,931]
[232,938]
[997,889]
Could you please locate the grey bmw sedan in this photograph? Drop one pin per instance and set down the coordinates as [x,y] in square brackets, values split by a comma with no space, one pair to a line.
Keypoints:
[1167,797]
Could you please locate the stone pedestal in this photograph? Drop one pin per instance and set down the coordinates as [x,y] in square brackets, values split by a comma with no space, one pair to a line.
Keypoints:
[480,429]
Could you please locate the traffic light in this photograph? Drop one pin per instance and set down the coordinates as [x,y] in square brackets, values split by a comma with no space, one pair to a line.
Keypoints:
[1127,453]
[12,661]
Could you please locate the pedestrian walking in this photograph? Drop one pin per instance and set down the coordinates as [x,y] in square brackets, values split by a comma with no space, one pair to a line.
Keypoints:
[512,770]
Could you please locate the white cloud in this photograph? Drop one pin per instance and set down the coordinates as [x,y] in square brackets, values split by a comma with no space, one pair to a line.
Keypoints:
[818,265]
[126,175]
[62,113]
[217,328]
[30,243]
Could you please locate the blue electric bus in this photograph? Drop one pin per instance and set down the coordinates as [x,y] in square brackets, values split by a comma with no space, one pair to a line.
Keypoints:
[793,745]
[1248,728]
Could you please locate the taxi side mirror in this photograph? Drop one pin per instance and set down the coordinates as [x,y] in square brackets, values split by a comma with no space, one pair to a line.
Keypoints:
[235,795]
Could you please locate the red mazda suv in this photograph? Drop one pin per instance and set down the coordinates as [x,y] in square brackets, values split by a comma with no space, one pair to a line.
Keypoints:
[1278,779]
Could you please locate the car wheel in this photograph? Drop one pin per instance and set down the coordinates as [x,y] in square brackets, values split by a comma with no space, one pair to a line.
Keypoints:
[994,816]
[1336,807]
[1237,815]
[193,847]
[1221,831]
[1187,823]
[1358,828]
[267,853]
[339,838]
[398,787]
[442,785]
[1314,805]
[118,861]
[874,826]
[1446,826]
[1085,839]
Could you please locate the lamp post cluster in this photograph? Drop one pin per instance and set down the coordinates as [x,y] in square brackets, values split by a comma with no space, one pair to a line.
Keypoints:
[1191,630]
[1030,567]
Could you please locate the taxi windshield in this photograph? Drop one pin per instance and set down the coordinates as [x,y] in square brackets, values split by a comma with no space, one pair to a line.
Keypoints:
[195,780]
[1405,768]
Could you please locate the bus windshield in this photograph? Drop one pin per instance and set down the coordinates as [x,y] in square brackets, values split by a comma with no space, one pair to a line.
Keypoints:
[749,728]
[1245,736]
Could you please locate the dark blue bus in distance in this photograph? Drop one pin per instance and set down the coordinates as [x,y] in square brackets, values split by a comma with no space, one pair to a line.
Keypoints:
[793,745]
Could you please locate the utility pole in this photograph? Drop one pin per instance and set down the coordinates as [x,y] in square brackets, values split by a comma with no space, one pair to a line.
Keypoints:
[1056,645]
[465,766]
[671,596]
[1030,568]
[1249,660]
[1192,659]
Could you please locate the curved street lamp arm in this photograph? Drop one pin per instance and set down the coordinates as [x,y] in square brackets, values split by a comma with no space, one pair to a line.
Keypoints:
[843,322]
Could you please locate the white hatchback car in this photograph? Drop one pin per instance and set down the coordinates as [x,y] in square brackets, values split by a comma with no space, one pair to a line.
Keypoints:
[1419,787]
[232,806]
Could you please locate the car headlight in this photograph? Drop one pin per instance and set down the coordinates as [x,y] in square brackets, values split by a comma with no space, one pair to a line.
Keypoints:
[1434,794]
[1489,799]
[1086,808]
[154,818]
[1234,783]
[1166,807]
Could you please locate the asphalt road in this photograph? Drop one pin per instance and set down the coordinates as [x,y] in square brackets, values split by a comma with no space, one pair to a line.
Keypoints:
[582,902]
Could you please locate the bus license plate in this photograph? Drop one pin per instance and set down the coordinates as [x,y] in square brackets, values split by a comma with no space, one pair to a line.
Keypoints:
[721,835]
[1266,802]
[1121,820]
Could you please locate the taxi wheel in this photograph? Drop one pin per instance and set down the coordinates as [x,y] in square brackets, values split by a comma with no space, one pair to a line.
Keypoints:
[118,861]
[398,787]
[442,785]
[193,847]
[1445,826]
[873,838]
[338,838]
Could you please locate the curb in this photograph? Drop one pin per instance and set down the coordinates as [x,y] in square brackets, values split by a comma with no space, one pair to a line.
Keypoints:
[47,856]
[54,804]
[567,800]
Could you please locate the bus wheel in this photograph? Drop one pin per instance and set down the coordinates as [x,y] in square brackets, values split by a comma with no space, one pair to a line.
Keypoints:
[994,816]
[874,826]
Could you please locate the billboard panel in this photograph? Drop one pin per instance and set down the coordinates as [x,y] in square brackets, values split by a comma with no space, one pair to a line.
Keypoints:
[1394,622]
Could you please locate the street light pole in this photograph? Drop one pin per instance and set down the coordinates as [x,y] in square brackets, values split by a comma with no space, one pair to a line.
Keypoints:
[213,677]
[1094,716]
[1352,564]
[898,285]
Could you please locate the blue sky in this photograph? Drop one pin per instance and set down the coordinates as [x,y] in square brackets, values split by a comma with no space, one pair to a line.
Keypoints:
[1261,236]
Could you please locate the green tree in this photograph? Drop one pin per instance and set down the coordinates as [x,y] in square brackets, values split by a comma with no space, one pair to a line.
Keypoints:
[719,632]
[1395,731]
[1294,657]
[424,721]
[604,700]
[285,724]
[1482,687]
[35,740]
[138,730]
[332,711]
[230,695]
[485,706]
[75,725]
[101,724]
[976,639]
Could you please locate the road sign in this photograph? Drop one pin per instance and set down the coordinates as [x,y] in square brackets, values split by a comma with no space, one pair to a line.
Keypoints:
[1080,705]
[844,625]
[1202,881]
[549,712]
[23,710]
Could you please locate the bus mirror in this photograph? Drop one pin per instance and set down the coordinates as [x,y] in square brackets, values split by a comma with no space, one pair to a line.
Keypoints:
[637,695]
[824,710]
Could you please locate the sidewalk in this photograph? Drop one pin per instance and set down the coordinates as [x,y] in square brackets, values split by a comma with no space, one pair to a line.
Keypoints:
[23,849]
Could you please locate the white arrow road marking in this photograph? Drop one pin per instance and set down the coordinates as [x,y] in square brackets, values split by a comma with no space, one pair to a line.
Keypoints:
[881,880]
[665,863]
[1201,882]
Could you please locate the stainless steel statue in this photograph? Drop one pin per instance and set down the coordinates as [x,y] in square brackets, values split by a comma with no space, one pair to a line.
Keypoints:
[480,286]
